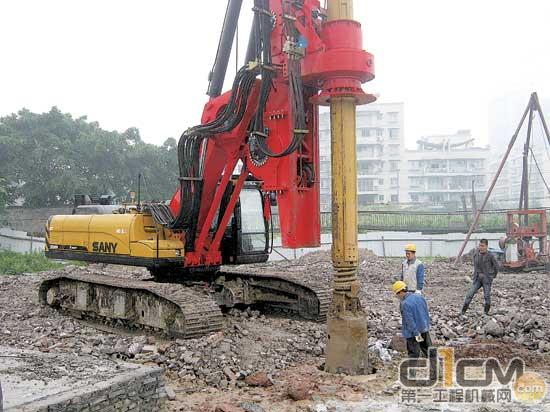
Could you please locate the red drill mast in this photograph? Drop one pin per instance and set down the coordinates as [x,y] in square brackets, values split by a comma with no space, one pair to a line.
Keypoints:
[296,60]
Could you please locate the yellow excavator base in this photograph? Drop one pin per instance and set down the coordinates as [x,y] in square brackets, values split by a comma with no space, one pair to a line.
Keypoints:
[130,239]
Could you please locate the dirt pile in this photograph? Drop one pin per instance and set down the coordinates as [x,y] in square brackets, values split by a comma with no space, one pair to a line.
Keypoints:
[251,342]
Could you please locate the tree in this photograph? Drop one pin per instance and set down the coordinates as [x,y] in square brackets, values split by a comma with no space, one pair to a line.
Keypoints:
[170,144]
[3,196]
[132,135]
[47,158]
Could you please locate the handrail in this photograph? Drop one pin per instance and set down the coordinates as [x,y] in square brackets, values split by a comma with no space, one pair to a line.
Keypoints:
[427,222]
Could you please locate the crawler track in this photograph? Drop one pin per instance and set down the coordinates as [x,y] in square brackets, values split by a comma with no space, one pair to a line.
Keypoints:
[172,309]
[307,297]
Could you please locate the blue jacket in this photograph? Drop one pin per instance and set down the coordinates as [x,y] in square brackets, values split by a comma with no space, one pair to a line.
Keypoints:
[414,311]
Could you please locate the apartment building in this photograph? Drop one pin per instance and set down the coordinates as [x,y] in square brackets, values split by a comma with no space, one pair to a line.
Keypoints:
[380,144]
[443,168]
[506,193]
[504,116]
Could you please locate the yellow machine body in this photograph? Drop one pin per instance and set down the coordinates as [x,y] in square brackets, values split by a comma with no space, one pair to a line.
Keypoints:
[131,238]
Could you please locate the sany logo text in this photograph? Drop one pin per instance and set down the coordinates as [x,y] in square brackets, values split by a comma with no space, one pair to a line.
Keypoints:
[104,247]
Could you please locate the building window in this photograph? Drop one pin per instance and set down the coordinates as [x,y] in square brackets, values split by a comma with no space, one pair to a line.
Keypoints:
[380,181]
[394,182]
[475,165]
[381,198]
[364,132]
[415,165]
[414,197]
[365,185]
[366,150]
[435,183]
[379,132]
[394,133]
[362,167]
[394,165]
[416,182]
[393,117]
[394,198]
[438,165]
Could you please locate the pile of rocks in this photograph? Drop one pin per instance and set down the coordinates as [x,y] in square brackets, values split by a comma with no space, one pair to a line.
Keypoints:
[249,343]
[250,350]
[252,343]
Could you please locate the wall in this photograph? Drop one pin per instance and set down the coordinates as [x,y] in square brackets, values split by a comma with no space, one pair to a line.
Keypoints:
[32,220]
[18,241]
[387,244]
[392,244]
[139,390]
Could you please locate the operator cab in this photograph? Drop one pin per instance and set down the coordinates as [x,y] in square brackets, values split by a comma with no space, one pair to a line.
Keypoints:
[94,205]
[246,238]
[96,209]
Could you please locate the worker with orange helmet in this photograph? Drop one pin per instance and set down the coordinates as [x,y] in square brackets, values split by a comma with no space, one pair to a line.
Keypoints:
[412,270]
[415,326]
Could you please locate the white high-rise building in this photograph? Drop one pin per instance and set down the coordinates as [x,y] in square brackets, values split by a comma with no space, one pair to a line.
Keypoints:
[444,168]
[506,193]
[504,116]
[440,171]
[380,145]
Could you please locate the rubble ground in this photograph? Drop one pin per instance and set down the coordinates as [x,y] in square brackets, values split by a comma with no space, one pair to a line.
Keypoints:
[270,362]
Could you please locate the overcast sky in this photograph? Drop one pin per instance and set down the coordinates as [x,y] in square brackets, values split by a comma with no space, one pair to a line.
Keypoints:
[138,63]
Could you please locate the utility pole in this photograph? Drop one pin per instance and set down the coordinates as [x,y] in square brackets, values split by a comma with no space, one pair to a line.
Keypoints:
[474,200]
[524,193]
[532,106]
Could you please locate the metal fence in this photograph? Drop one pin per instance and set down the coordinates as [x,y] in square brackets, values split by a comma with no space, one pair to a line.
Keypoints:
[491,221]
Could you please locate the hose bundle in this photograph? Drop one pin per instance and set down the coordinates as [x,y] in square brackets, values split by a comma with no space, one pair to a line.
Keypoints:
[258,140]
[192,145]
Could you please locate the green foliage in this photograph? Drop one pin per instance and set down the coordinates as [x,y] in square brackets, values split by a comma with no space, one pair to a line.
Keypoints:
[3,195]
[3,200]
[47,158]
[12,263]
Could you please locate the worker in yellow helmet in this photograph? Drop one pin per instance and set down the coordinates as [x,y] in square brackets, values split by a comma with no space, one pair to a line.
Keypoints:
[415,326]
[412,270]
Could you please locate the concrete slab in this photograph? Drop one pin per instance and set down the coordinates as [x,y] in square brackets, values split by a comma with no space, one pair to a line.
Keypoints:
[36,381]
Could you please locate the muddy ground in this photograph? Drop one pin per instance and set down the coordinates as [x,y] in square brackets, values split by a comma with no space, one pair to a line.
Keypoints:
[263,362]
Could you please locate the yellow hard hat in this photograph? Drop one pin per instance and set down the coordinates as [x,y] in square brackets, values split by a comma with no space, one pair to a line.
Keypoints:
[398,286]
[411,247]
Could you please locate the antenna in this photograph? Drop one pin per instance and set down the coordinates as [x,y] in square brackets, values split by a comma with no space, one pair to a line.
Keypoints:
[139,193]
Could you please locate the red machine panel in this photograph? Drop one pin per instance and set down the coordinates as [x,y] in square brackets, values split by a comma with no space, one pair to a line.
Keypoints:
[330,62]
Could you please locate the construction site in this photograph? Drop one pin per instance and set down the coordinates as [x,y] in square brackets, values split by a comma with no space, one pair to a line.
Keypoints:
[240,294]
[272,361]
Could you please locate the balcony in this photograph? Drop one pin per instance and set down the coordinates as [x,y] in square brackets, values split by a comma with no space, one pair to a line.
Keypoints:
[373,138]
[369,172]
[369,190]
[368,156]
[445,171]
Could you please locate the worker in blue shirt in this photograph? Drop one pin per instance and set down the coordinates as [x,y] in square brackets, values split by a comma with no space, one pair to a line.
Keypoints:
[415,320]
[412,270]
